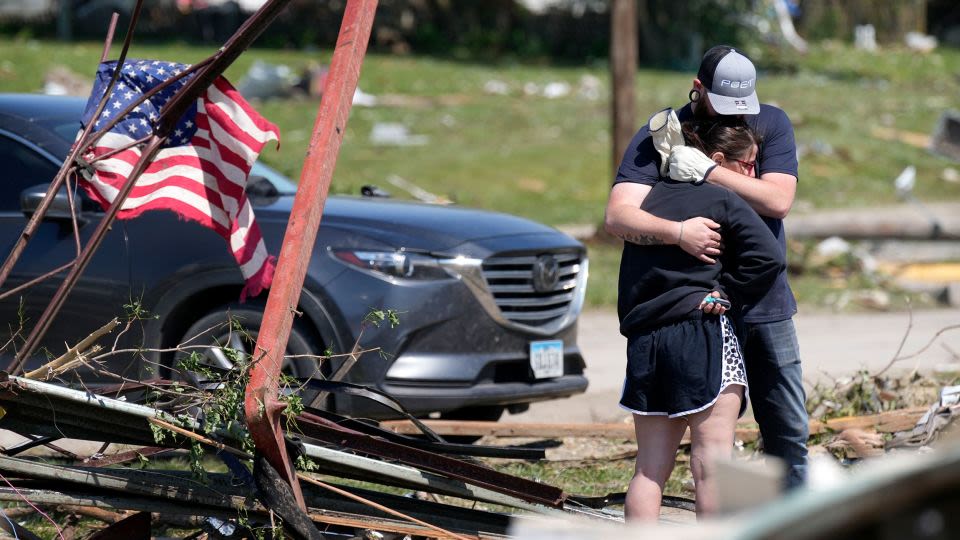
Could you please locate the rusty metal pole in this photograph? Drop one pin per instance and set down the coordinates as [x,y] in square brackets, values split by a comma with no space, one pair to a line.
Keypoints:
[263,409]
[111,28]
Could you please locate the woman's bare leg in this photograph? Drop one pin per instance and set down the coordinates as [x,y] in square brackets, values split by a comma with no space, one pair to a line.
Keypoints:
[658,438]
[712,434]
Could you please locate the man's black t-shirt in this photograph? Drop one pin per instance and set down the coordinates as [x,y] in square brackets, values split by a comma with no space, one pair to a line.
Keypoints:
[778,153]
[663,284]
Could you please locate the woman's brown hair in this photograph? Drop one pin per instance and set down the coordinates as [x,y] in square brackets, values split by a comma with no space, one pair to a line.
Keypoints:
[730,136]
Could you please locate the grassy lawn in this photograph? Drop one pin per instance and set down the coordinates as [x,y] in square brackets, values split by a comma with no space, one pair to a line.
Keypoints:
[548,159]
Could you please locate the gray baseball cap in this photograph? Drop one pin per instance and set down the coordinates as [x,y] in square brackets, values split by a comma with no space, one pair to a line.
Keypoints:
[730,80]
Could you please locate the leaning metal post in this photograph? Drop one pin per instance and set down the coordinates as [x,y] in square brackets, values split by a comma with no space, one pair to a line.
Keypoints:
[262,408]
[178,105]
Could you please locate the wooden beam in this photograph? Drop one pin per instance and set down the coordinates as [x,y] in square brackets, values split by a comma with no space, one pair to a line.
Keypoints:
[935,221]
[746,431]
[623,71]
[910,138]
[504,429]
[886,422]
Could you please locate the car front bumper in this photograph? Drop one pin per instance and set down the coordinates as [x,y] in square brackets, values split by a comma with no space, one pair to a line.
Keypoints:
[420,401]
[452,348]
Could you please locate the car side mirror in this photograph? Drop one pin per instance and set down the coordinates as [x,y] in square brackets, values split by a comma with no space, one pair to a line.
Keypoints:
[59,209]
[374,191]
[261,190]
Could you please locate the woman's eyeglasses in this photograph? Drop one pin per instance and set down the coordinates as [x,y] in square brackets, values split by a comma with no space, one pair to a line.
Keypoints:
[749,166]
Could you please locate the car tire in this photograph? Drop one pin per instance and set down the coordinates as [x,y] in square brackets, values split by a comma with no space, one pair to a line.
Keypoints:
[214,328]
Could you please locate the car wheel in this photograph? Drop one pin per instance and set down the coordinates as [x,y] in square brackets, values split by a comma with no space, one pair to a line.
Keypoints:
[219,339]
[489,413]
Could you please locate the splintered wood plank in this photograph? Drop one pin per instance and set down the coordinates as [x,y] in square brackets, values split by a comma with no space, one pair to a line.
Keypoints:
[886,422]
[746,431]
[910,138]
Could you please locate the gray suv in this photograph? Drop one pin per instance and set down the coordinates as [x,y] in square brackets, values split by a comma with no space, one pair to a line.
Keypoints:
[487,302]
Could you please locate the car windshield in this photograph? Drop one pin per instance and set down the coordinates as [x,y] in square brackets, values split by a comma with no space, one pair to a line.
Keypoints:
[66,130]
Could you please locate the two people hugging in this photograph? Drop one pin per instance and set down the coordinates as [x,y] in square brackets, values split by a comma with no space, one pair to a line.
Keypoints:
[704,301]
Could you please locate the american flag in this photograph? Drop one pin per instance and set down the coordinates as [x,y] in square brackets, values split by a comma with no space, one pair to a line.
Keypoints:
[201,171]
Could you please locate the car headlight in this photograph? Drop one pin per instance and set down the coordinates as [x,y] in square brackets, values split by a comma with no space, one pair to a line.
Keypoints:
[396,264]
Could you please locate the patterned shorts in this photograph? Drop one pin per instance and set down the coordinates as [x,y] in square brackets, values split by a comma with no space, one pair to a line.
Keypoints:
[682,367]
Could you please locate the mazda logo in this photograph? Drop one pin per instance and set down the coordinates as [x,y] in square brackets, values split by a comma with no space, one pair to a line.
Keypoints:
[546,273]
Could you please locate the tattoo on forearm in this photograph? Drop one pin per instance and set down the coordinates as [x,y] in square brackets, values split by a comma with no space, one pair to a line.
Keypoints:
[642,239]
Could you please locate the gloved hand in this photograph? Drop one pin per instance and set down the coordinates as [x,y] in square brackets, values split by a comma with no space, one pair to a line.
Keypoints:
[666,133]
[687,164]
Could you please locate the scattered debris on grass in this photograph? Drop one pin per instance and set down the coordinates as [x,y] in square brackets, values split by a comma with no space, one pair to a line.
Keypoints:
[395,134]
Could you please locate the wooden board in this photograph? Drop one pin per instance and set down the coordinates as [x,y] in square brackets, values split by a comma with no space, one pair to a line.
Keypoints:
[911,138]
[887,422]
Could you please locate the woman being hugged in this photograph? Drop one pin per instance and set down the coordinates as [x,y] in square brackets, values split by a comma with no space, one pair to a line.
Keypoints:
[684,364]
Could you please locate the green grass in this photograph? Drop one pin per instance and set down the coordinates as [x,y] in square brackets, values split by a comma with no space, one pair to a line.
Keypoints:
[594,478]
[549,160]
[604,273]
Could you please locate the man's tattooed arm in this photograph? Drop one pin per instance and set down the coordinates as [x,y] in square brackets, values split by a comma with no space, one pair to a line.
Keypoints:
[642,239]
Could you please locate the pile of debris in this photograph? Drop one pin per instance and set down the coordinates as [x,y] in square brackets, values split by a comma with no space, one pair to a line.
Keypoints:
[869,415]
[251,498]
[859,417]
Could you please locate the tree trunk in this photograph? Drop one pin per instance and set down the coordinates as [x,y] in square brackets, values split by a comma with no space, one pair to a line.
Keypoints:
[623,70]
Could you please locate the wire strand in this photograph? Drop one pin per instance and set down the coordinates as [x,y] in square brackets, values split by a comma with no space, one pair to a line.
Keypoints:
[39,511]
[13,526]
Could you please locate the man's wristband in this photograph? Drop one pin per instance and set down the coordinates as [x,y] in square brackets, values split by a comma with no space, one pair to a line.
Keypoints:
[680,238]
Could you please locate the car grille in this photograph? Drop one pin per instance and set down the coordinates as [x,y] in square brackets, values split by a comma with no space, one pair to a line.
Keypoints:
[534,290]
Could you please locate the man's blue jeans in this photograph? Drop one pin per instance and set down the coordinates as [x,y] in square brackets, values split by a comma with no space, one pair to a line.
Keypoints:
[772,358]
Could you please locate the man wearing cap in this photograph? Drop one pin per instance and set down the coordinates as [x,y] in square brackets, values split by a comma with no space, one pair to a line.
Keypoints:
[726,85]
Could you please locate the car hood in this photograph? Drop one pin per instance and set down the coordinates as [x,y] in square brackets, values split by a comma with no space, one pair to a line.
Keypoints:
[408,224]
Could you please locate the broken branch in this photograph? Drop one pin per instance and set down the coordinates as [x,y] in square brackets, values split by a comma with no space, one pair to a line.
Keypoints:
[49,369]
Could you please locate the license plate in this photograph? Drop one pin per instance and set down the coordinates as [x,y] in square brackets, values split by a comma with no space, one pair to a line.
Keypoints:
[546,359]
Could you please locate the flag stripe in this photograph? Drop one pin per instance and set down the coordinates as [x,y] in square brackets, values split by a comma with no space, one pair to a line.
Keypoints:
[220,117]
[231,178]
[223,93]
[177,197]
[244,227]
[180,168]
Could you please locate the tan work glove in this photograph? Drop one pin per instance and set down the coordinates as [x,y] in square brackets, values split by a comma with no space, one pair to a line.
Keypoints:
[665,131]
[687,164]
